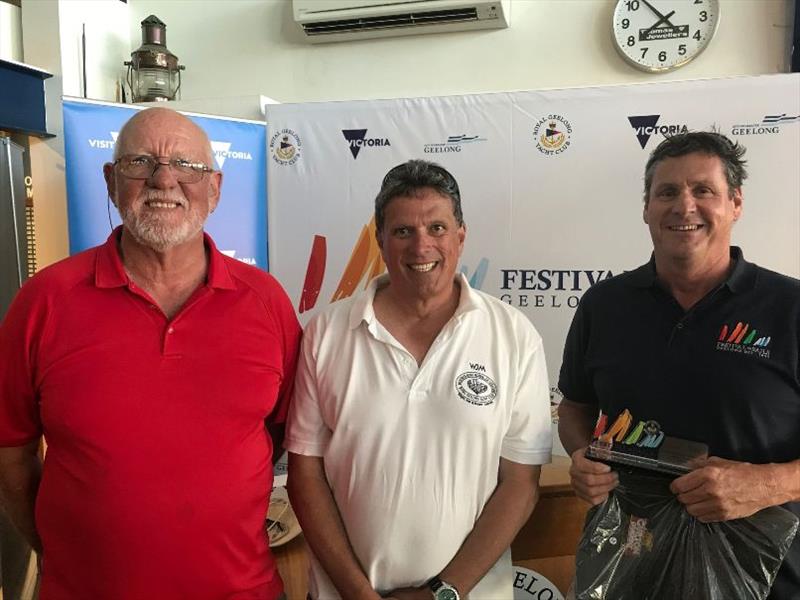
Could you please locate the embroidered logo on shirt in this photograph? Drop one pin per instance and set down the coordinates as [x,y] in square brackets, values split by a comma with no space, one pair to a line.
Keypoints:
[475,386]
[743,339]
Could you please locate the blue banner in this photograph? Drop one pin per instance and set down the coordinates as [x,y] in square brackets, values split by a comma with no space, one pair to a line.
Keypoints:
[238,226]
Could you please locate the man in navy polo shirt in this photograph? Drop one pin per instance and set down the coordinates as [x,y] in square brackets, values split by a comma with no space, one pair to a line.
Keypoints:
[699,340]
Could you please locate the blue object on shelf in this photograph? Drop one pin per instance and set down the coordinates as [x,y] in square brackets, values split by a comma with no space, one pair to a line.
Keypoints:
[22,99]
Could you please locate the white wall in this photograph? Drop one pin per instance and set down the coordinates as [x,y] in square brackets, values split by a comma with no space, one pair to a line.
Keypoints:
[107,46]
[10,32]
[248,47]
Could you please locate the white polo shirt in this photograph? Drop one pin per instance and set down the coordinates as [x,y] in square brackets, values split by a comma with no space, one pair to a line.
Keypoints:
[412,452]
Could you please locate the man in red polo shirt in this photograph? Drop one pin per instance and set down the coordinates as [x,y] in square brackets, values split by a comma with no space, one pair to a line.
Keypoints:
[159,371]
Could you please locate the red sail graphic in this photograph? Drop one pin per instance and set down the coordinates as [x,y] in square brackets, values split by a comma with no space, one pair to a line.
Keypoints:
[736,331]
[315,273]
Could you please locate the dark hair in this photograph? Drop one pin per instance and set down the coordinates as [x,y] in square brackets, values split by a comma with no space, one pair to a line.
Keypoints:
[711,143]
[408,178]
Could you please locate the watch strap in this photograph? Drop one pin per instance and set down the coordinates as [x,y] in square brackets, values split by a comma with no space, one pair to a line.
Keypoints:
[436,584]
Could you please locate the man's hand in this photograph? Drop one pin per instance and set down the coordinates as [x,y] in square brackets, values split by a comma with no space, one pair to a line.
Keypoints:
[592,481]
[722,490]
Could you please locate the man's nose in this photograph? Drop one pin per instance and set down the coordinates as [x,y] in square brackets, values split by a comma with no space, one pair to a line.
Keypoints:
[422,240]
[685,202]
[162,176]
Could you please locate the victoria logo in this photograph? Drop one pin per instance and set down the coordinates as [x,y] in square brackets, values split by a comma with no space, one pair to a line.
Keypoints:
[647,125]
[222,151]
[475,386]
[357,139]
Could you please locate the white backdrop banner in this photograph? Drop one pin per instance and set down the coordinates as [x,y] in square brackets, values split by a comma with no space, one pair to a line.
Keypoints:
[551,184]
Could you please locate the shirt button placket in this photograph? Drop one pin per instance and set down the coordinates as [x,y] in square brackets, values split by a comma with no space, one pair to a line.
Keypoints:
[168,339]
[412,375]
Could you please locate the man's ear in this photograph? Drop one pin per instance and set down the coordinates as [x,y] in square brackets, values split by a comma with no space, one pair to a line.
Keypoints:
[111,182]
[214,188]
[738,203]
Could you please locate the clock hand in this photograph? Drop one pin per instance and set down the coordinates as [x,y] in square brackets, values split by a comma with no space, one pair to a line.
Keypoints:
[661,17]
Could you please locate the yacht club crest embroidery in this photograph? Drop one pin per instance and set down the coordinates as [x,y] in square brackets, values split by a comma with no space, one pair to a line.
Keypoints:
[476,387]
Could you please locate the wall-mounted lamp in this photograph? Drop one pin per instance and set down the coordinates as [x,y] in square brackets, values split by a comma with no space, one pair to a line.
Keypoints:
[153,71]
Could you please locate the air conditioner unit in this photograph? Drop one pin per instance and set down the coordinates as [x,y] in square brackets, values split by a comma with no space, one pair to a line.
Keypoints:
[342,20]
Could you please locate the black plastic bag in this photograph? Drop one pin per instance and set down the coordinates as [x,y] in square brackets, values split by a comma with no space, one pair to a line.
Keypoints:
[641,544]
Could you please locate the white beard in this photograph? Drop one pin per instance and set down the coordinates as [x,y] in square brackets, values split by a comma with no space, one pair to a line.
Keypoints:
[149,228]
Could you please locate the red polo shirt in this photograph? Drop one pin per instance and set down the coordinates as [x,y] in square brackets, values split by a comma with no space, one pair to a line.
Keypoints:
[158,469]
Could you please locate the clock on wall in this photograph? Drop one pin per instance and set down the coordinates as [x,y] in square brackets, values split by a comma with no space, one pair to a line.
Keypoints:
[661,35]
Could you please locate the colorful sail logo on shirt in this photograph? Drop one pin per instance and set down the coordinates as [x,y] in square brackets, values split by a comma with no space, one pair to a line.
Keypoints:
[364,264]
[743,339]
[742,334]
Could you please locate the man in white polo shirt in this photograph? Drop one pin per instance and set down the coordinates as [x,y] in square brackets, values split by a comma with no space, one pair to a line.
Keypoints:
[420,417]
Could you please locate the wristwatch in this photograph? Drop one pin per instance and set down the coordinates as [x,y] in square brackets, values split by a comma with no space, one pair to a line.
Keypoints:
[442,590]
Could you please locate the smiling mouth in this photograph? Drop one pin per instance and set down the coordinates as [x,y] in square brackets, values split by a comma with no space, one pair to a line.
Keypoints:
[161,204]
[422,267]
[684,227]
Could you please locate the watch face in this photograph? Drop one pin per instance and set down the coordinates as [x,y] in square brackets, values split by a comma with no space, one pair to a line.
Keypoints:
[446,594]
[660,35]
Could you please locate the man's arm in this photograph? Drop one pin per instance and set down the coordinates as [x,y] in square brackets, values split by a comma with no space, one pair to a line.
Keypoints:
[313,502]
[507,510]
[575,424]
[722,490]
[20,472]
[591,480]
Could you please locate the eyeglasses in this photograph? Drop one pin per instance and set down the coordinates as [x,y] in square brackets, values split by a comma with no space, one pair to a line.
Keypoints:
[143,166]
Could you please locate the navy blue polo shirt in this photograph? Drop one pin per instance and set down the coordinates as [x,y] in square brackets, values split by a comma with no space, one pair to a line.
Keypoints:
[726,372]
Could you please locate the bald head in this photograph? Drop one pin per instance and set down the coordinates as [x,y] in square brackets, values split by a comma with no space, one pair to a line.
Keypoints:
[163,209]
[152,122]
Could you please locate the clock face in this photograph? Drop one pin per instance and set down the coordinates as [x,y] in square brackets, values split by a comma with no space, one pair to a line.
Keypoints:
[661,35]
